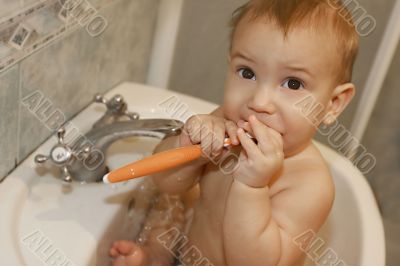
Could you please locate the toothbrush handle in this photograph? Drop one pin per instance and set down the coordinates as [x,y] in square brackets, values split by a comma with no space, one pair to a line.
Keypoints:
[153,164]
[157,163]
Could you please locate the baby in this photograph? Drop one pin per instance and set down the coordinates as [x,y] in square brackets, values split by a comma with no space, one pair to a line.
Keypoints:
[282,52]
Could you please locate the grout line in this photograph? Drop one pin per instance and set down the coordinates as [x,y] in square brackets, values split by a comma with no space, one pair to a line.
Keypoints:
[19,113]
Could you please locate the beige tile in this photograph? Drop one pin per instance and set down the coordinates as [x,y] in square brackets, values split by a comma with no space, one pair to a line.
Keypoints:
[61,73]
[12,6]
[71,71]
[124,48]
[9,120]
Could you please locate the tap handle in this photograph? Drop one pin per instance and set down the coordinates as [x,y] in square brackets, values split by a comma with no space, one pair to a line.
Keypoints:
[60,135]
[98,98]
[66,175]
[60,155]
[132,115]
[114,103]
[116,106]
[41,159]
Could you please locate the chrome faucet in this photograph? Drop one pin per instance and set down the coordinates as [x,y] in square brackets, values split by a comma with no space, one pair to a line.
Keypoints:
[84,159]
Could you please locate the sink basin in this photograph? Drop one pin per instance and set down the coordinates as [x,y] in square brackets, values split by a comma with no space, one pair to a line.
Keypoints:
[45,221]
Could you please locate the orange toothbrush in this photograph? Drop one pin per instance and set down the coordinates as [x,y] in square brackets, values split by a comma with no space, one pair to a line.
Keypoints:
[157,163]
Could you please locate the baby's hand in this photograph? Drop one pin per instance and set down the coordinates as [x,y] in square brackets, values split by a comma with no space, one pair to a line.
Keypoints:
[259,162]
[208,131]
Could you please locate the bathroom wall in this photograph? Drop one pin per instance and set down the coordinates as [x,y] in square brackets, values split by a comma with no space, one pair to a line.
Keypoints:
[200,61]
[382,138]
[69,71]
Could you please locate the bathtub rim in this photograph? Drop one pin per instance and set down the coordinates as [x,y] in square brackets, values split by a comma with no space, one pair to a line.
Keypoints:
[372,230]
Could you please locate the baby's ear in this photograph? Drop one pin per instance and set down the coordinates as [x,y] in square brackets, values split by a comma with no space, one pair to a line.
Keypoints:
[341,97]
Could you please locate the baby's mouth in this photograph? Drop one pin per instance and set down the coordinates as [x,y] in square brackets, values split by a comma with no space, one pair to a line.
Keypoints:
[246,126]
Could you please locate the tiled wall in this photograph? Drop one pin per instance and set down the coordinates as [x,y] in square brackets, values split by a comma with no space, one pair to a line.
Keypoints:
[70,71]
[9,108]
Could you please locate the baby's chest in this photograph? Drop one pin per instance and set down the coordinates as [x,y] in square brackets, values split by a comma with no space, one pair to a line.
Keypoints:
[215,184]
[215,188]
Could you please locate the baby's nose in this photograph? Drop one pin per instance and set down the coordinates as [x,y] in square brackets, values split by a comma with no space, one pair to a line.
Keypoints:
[263,101]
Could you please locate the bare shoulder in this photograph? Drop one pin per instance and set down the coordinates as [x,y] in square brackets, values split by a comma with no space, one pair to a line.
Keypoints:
[301,199]
[306,193]
[307,169]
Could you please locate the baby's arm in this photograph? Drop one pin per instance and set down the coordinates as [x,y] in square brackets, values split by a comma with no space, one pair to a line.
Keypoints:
[181,179]
[260,228]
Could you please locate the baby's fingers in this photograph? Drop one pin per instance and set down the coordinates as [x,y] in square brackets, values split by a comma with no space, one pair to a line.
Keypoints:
[218,139]
[231,129]
[248,144]
[206,135]
[246,126]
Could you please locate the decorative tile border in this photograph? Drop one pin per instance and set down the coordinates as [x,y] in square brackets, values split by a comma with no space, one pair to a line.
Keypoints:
[20,15]
[14,49]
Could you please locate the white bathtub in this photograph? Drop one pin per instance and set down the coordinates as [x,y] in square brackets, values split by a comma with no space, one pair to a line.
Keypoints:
[354,229]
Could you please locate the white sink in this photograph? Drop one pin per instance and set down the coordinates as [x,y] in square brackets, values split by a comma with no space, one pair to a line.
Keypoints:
[80,222]
[42,219]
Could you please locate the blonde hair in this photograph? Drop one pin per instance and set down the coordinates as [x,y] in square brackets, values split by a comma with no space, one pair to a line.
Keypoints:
[290,13]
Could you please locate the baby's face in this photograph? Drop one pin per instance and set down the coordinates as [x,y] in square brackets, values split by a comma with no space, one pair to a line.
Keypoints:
[268,75]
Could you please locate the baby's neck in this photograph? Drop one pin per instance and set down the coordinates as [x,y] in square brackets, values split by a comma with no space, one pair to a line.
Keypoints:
[300,150]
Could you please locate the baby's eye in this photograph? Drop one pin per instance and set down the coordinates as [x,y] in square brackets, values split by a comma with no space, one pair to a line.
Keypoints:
[293,84]
[247,73]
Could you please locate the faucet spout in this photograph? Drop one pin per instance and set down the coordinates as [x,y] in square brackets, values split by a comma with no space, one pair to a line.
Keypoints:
[89,164]
[102,138]
[83,159]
